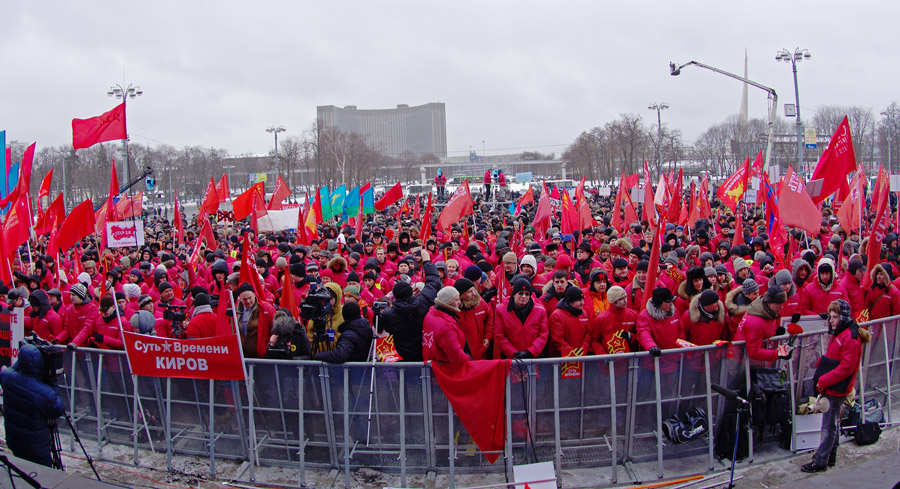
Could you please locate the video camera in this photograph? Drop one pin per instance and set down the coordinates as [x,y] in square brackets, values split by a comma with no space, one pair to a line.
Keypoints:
[317,305]
[176,315]
[378,307]
[52,356]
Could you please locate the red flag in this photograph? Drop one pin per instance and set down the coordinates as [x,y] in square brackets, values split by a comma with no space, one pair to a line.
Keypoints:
[525,199]
[77,225]
[248,272]
[757,167]
[405,209]
[211,200]
[738,227]
[359,219]
[44,191]
[630,211]
[317,208]
[477,392]
[796,206]
[417,213]
[459,205]
[243,204]
[882,223]
[648,212]
[426,220]
[631,181]
[543,214]
[179,225]
[258,206]
[732,190]
[5,269]
[279,194]
[23,186]
[131,207]
[223,192]
[391,196]
[310,221]
[288,299]
[106,127]
[301,222]
[850,213]
[837,161]
[56,212]
[617,212]
[17,224]
[653,267]
[569,214]
[675,206]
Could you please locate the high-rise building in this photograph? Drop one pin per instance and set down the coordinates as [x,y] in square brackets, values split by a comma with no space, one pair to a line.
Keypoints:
[419,130]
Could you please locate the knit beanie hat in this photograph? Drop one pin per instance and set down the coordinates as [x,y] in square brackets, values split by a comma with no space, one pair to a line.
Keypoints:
[463,285]
[573,294]
[402,290]
[749,286]
[708,297]
[350,311]
[509,257]
[740,264]
[143,321]
[447,295]
[615,293]
[79,290]
[783,277]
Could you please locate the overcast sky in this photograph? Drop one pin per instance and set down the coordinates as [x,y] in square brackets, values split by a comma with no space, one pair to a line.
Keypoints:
[516,74]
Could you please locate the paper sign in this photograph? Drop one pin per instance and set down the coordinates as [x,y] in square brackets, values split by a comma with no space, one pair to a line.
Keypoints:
[121,234]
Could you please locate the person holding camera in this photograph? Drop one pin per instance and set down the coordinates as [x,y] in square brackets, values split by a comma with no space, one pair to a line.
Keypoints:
[355,339]
[288,340]
[28,404]
[322,310]
[406,317]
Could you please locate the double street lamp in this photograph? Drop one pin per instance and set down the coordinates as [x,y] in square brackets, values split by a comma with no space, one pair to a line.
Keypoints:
[659,108]
[276,130]
[125,93]
[793,58]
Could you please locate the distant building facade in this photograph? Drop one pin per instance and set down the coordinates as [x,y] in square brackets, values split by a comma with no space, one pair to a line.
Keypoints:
[419,130]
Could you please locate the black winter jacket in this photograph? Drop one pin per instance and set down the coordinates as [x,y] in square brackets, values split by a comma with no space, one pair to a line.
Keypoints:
[27,405]
[352,346]
[404,320]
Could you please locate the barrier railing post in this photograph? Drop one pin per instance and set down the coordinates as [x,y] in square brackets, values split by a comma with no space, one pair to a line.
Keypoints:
[346,428]
[556,428]
[614,425]
[747,383]
[888,372]
[169,424]
[508,448]
[451,452]
[402,426]
[134,419]
[792,390]
[329,414]
[99,404]
[212,429]
[430,454]
[659,436]
[709,416]
[251,422]
[301,429]
[631,407]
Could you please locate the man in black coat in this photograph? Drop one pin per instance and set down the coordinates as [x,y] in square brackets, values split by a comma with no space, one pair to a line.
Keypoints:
[405,318]
[355,341]
[28,403]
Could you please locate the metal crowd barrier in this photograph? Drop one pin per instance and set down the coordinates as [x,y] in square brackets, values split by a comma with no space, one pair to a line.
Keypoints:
[309,415]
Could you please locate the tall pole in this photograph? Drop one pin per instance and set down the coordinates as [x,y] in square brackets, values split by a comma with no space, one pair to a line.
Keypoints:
[659,108]
[276,130]
[124,93]
[799,123]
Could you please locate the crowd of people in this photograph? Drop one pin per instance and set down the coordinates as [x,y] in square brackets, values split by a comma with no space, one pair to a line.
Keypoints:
[496,289]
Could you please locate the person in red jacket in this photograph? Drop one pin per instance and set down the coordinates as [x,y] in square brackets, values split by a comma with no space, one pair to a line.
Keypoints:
[44,320]
[254,322]
[658,328]
[761,323]
[82,312]
[738,301]
[106,332]
[476,318]
[837,383]
[615,329]
[443,339]
[883,298]
[570,326]
[704,324]
[782,279]
[823,290]
[203,322]
[852,284]
[520,324]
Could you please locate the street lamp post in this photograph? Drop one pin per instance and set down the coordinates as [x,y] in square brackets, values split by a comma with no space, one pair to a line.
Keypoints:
[659,108]
[793,58]
[276,130]
[125,93]
[676,70]
[890,137]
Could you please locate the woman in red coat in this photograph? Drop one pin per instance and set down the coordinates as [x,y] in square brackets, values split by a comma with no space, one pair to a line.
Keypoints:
[520,324]
[883,298]
[837,383]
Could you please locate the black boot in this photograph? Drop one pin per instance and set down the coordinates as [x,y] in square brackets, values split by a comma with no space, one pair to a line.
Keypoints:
[832,459]
[814,467]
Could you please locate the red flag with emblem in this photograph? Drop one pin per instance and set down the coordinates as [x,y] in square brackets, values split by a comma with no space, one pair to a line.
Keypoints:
[543,214]
[850,213]
[837,161]
[56,211]
[105,127]
[280,193]
[757,167]
[210,200]
[44,191]
[417,212]
[648,213]
[243,204]
[17,223]
[882,223]
[459,205]
[795,205]
[223,192]
[248,271]
[732,190]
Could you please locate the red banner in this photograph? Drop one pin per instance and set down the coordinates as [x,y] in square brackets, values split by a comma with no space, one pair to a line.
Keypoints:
[217,358]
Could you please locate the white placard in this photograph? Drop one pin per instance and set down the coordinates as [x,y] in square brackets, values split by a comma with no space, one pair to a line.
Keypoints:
[895,183]
[121,234]
[538,476]
[750,196]
[278,220]
[604,192]
[637,195]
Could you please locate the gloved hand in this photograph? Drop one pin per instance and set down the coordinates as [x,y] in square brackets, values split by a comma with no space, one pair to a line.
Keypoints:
[625,335]
[784,353]
[71,347]
[655,351]
[426,256]
[824,316]
[229,312]
[98,338]
[780,331]
[523,354]
[795,318]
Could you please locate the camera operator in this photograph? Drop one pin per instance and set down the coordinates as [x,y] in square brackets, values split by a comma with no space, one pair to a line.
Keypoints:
[288,340]
[29,402]
[322,310]
[405,318]
[355,340]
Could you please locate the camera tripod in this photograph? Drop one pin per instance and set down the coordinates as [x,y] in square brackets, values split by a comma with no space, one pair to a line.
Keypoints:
[56,446]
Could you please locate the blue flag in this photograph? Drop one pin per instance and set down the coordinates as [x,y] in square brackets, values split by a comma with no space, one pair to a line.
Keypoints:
[3,163]
[351,203]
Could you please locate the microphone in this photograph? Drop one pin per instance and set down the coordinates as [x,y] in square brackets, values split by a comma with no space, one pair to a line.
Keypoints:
[729,394]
